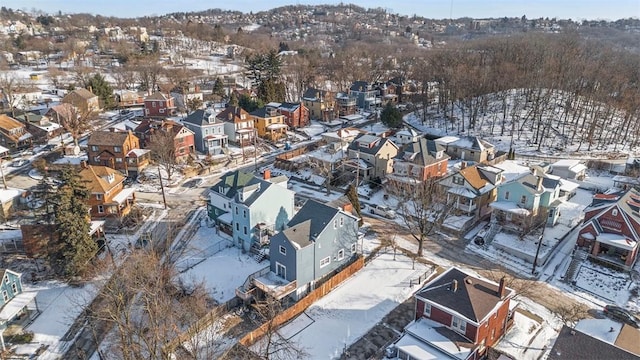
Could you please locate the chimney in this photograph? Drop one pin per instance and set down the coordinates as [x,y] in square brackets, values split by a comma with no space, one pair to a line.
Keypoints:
[463,165]
[539,183]
[502,288]
[454,285]
[267,174]
[347,208]
[112,129]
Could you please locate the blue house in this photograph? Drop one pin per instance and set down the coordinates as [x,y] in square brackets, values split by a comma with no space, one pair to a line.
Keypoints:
[209,135]
[14,303]
[527,201]
[251,208]
[367,97]
[318,240]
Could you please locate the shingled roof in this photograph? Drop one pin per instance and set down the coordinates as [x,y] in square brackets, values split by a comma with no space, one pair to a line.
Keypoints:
[473,297]
[422,152]
[96,178]
[574,344]
[108,138]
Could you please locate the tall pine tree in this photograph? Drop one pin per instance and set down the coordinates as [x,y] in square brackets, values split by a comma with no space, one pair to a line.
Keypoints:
[73,247]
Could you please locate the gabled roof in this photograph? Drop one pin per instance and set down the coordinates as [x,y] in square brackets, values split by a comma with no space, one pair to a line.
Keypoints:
[472,143]
[464,294]
[377,144]
[9,123]
[233,114]
[108,138]
[628,206]
[574,344]
[158,96]
[310,221]
[231,182]
[96,178]
[422,152]
[313,94]
[472,175]
[360,86]
[83,93]
[263,114]
[64,109]
[202,118]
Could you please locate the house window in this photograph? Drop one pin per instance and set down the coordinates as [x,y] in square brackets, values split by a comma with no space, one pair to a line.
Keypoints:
[100,209]
[335,224]
[245,230]
[98,196]
[340,254]
[459,324]
[458,180]
[14,288]
[161,111]
[119,160]
[244,213]
[96,159]
[283,250]
[94,148]
[326,261]
[5,296]
[117,149]
[523,199]
[153,104]
[614,212]
[281,270]
[236,210]
[6,279]
[427,310]
[353,248]
[237,226]
[493,334]
[341,222]
[506,195]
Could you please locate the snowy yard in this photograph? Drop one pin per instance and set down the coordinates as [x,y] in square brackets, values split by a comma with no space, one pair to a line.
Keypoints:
[610,285]
[210,258]
[349,311]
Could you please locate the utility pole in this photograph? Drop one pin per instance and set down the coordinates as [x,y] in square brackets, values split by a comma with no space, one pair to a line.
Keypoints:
[255,150]
[4,181]
[535,259]
[164,198]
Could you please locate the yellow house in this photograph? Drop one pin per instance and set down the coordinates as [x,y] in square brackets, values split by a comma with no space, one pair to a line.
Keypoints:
[269,123]
[321,104]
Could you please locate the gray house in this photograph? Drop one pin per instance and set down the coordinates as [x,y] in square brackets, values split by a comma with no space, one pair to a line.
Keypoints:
[367,97]
[209,136]
[250,208]
[318,240]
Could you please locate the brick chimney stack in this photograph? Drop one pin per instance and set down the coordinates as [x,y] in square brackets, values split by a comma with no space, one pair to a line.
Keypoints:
[267,174]
[502,288]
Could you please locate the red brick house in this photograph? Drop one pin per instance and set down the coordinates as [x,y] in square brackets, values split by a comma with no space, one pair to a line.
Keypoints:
[184,138]
[159,105]
[419,161]
[119,150]
[14,134]
[610,229]
[457,315]
[107,195]
[295,114]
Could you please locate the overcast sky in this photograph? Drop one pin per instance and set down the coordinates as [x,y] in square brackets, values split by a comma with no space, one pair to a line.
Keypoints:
[438,9]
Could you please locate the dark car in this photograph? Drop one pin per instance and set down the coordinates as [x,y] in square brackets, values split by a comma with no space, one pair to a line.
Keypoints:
[622,315]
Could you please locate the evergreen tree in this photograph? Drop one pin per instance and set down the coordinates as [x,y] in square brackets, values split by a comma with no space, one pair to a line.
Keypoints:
[352,194]
[218,88]
[391,116]
[249,104]
[72,248]
[233,100]
[100,87]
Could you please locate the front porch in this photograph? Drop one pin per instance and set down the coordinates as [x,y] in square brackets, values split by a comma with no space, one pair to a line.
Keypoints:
[137,160]
[614,250]
[214,144]
[275,132]
[16,315]
[122,202]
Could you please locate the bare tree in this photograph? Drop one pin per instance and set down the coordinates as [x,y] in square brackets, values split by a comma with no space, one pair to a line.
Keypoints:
[8,86]
[424,206]
[163,150]
[76,122]
[273,345]
[571,314]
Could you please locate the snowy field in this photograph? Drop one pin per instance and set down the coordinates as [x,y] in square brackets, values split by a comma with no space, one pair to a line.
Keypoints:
[349,311]
[607,284]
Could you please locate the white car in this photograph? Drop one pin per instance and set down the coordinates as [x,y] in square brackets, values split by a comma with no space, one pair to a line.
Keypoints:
[383,210]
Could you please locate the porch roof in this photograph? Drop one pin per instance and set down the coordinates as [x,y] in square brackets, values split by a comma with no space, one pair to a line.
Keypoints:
[277,126]
[123,195]
[462,191]
[15,305]
[617,240]
[226,218]
[509,207]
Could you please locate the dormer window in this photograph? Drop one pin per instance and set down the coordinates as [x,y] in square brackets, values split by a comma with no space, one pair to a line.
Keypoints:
[458,180]
[110,178]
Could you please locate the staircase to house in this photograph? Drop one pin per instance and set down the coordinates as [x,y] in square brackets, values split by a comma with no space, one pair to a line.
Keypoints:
[260,256]
[578,258]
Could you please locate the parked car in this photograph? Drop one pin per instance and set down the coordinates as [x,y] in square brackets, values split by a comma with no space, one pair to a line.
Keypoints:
[383,210]
[19,163]
[622,315]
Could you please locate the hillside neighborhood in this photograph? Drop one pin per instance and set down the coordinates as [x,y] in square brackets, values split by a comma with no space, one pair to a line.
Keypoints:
[171,192]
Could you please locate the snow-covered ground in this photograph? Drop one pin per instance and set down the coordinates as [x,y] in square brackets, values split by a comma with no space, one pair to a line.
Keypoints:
[59,304]
[209,254]
[349,311]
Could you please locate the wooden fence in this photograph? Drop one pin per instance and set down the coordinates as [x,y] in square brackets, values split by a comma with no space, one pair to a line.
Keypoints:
[304,303]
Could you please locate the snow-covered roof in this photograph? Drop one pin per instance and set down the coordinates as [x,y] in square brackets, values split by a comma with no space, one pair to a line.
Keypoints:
[15,305]
[417,349]
[445,140]
[574,165]
[568,186]
[430,332]
[95,226]
[462,191]
[276,126]
[138,152]
[509,207]
[603,329]
[226,218]
[617,240]
[7,195]
[123,195]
